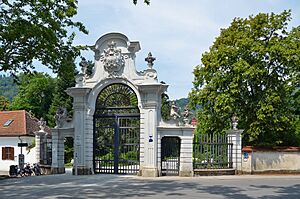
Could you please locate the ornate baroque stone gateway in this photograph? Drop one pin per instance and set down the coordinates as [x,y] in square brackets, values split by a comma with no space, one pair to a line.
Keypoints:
[117,125]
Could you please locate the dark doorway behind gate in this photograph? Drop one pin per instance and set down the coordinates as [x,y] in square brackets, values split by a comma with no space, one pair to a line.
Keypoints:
[170,156]
[117,131]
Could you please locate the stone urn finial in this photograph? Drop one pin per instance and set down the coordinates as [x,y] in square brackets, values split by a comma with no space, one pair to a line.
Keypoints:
[186,115]
[150,59]
[234,121]
[42,124]
[84,65]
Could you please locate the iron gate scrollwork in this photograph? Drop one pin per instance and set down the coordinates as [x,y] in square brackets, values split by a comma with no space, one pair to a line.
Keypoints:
[117,131]
[170,155]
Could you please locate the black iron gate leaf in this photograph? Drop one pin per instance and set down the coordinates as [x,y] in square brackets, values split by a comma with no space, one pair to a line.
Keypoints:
[117,131]
[170,155]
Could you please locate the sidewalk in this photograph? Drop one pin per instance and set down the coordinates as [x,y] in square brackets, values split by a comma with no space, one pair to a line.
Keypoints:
[3,174]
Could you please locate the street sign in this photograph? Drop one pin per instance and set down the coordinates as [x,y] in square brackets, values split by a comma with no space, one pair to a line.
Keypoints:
[21,160]
[22,144]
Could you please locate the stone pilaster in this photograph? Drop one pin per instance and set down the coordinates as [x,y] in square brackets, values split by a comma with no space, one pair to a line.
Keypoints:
[38,140]
[151,94]
[82,154]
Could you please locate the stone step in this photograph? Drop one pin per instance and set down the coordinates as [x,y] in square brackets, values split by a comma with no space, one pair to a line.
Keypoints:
[213,172]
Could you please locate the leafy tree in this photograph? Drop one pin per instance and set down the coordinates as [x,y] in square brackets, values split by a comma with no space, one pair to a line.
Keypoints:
[35,94]
[65,79]
[251,70]
[4,103]
[36,30]
[145,1]
[182,103]
[8,88]
[165,106]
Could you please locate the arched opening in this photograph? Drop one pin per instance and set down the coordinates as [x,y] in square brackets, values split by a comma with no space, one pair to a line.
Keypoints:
[117,131]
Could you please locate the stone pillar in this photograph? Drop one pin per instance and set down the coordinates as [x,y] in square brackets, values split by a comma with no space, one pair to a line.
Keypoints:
[186,152]
[38,140]
[83,156]
[58,153]
[149,142]
[151,94]
[234,137]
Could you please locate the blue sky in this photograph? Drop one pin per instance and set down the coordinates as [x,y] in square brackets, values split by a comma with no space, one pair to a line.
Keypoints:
[177,32]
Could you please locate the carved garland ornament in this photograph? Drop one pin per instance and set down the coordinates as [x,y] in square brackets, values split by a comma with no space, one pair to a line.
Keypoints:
[113,60]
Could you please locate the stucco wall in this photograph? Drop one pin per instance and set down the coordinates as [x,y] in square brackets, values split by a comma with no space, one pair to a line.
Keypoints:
[276,161]
[13,142]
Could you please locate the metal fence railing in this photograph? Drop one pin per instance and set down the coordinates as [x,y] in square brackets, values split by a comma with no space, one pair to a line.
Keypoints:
[212,151]
[46,152]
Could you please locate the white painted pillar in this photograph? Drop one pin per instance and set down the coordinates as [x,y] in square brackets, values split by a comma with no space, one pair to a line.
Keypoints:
[186,152]
[82,138]
[234,136]
[150,115]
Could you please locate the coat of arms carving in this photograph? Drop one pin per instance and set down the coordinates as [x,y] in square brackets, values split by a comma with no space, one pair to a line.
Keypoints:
[113,60]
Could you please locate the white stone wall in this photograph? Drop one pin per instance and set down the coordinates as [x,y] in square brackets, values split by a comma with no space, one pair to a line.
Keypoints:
[270,161]
[30,156]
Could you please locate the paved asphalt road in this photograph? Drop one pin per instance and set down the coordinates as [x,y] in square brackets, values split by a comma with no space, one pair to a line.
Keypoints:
[115,186]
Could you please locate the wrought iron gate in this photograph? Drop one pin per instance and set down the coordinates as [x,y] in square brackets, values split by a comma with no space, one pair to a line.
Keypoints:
[212,151]
[170,155]
[117,131]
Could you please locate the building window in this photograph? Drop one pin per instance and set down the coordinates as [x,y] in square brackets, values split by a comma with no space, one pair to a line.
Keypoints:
[8,153]
[7,123]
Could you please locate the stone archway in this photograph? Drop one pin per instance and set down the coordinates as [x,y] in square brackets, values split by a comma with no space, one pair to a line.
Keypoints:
[116,131]
[114,66]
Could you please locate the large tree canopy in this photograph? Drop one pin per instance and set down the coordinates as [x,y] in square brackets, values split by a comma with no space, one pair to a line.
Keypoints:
[251,70]
[36,30]
[35,94]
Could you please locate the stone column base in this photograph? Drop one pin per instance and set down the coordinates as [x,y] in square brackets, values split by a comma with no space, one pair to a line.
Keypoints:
[58,170]
[149,172]
[82,171]
[186,173]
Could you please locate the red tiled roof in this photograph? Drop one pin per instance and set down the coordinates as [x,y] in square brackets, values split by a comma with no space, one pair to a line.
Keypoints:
[23,123]
[278,149]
